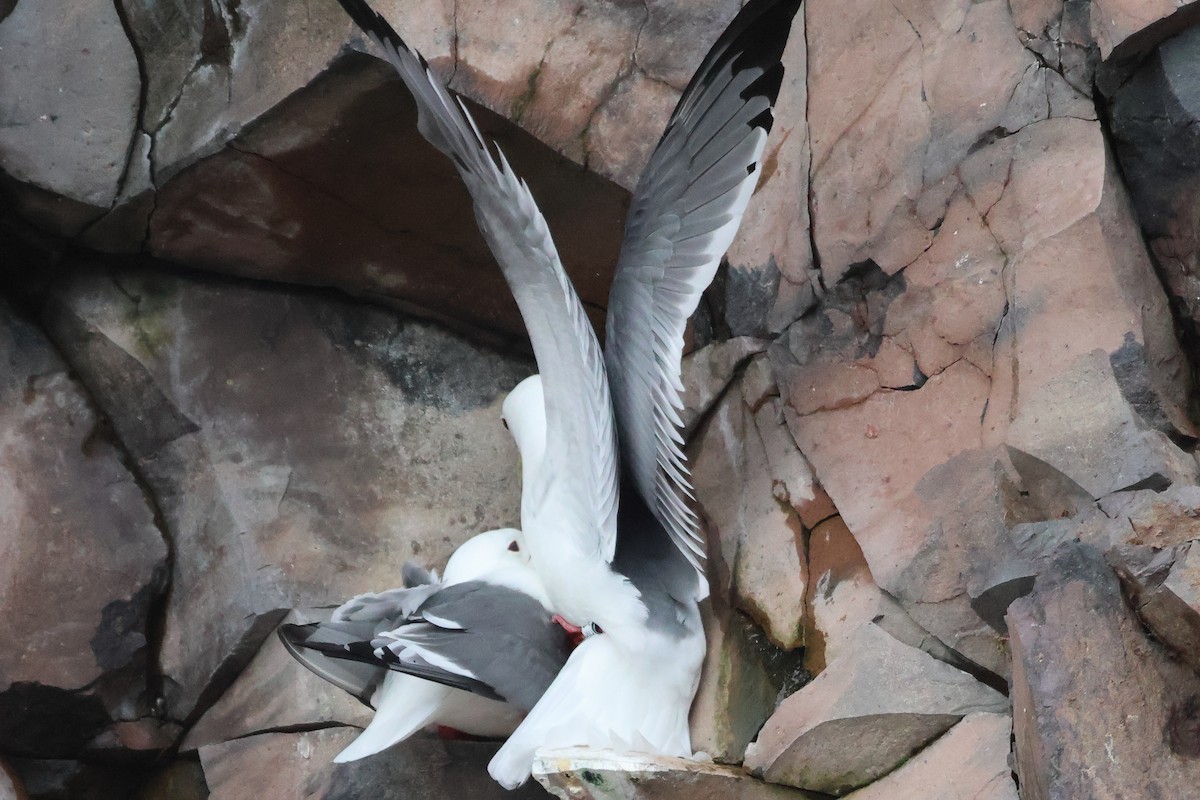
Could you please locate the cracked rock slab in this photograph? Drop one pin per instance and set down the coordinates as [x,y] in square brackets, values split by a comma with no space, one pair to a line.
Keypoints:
[71,87]
[81,560]
[1164,587]
[969,761]
[274,693]
[1100,710]
[319,191]
[300,447]
[588,774]
[867,713]
[760,536]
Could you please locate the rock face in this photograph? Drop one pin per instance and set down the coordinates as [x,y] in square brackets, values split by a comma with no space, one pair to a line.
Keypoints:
[300,448]
[1099,710]
[971,760]
[70,84]
[941,409]
[83,561]
[871,710]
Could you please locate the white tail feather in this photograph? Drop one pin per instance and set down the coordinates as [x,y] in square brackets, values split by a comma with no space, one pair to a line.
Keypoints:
[403,705]
[603,699]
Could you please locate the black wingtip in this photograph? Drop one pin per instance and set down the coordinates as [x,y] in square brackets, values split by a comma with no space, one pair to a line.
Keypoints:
[294,636]
[371,22]
[756,37]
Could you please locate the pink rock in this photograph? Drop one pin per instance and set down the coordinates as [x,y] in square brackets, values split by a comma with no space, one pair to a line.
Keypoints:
[970,760]
[868,712]
[1099,710]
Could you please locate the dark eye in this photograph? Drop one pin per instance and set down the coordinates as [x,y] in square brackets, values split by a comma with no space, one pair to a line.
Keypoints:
[513,547]
[504,422]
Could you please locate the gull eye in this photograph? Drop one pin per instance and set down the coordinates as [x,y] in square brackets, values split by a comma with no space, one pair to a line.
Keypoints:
[513,547]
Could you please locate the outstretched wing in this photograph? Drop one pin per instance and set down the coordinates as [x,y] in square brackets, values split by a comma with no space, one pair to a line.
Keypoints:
[581,452]
[686,210]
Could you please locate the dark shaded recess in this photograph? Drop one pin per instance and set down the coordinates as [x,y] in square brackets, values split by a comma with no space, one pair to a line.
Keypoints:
[1156,141]
[373,208]
[37,720]
[385,340]
[423,768]
[121,632]
[52,779]
[1132,53]
[784,667]
[749,297]
[6,8]
[864,294]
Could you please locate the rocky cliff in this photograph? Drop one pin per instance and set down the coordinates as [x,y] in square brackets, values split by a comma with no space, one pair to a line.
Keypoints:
[940,404]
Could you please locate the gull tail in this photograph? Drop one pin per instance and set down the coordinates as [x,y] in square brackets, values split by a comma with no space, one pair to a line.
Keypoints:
[403,705]
[603,699]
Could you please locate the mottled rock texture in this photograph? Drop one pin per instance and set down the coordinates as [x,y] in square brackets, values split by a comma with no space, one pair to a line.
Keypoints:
[82,563]
[941,410]
[300,447]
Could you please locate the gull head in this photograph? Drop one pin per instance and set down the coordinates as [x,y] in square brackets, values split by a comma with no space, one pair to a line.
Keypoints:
[524,414]
[484,553]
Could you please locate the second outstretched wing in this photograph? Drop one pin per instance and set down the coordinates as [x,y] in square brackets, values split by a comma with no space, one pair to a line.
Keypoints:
[686,210]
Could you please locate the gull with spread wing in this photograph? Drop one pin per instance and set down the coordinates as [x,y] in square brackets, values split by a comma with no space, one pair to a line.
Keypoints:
[426,654]
[604,512]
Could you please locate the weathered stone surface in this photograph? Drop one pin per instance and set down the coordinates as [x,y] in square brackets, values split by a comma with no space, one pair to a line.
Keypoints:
[586,774]
[70,86]
[272,694]
[1099,710]
[1021,282]
[1079,423]
[81,560]
[868,712]
[759,536]
[1156,519]
[1164,587]
[971,760]
[288,765]
[300,449]
[707,373]
[1128,27]
[321,190]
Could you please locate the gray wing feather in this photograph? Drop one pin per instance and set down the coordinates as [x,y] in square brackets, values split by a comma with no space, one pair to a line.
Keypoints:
[496,635]
[581,456]
[685,212]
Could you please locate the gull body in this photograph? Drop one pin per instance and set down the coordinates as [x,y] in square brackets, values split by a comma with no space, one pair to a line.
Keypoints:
[605,516]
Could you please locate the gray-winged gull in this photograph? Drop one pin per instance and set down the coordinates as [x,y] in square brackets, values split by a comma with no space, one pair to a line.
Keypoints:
[426,654]
[609,529]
